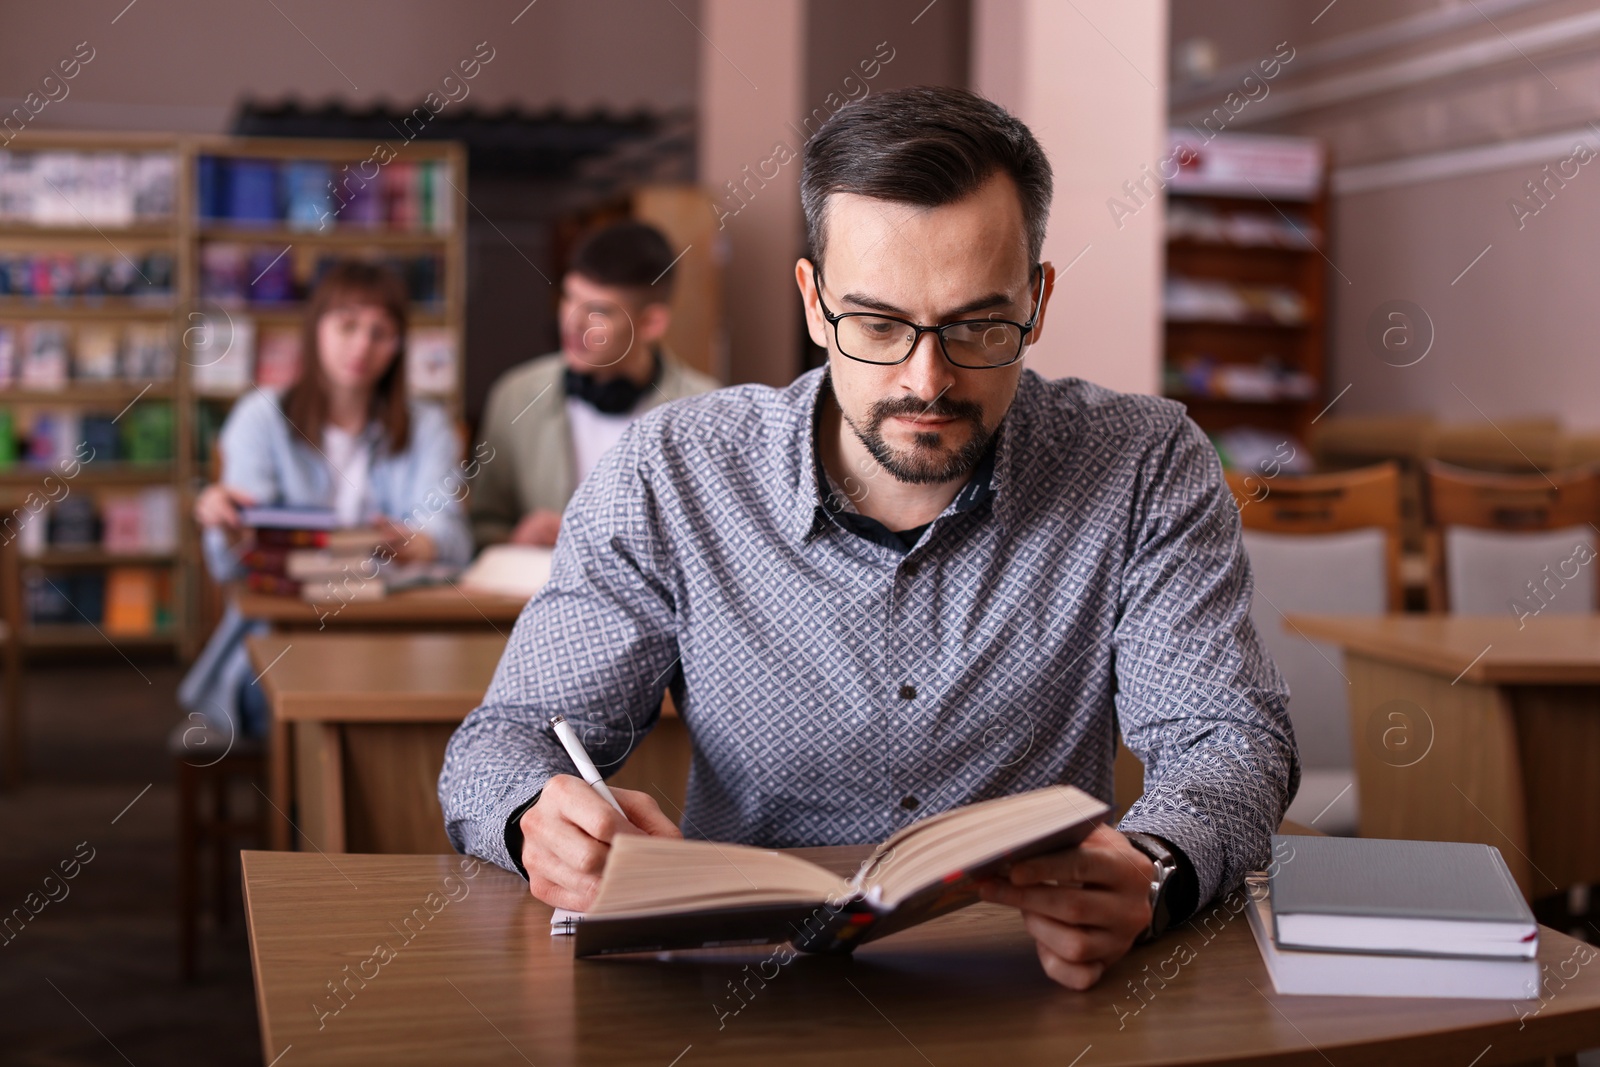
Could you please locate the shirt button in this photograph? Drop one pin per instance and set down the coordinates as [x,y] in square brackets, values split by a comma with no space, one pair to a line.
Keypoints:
[908,692]
[910,569]
[909,803]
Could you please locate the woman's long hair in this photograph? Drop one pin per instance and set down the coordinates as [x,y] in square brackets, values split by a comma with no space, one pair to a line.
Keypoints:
[348,282]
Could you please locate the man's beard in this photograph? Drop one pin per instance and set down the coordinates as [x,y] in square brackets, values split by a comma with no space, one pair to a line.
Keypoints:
[928,462]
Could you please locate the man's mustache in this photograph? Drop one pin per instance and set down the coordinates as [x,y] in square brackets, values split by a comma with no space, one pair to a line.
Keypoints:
[938,408]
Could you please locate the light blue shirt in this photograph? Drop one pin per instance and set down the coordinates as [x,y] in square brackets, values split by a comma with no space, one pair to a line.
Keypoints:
[263,456]
[420,487]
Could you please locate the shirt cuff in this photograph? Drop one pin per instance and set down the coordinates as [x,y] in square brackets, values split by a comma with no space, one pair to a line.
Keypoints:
[1191,838]
[514,834]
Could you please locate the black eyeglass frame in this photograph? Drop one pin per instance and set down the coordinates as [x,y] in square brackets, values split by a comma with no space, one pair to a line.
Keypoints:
[1026,328]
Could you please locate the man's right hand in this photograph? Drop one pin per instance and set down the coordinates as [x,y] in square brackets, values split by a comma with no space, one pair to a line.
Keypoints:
[567,835]
[537,528]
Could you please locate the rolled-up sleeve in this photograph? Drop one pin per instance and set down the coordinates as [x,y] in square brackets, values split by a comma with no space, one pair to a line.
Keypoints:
[598,644]
[1198,700]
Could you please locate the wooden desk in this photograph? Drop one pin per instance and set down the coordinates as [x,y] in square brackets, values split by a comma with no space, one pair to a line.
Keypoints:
[432,607]
[360,725]
[1470,728]
[469,974]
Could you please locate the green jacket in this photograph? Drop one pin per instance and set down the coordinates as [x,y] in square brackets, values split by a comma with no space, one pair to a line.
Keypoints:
[525,423]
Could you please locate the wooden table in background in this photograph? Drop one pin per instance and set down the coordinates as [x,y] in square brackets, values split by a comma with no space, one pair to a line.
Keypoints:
[1468,728]
[434,607]
[469,974]
[361,722]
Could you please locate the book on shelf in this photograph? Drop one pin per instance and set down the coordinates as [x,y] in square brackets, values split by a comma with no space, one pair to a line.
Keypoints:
[95,354]
[148,432]
[1247,165]
[73,523]
[139,521]
[240,275]
[431,361]
[1441,898]
[1321,973]
[252,191]
[271,274]
[140,276]
[222,359]
[63,598]
[52,356]
[147,353]
[278,357]
[10,359]
[314,194]
[103,188]
[130,601]
[44,356]
[659,893]
[307,191]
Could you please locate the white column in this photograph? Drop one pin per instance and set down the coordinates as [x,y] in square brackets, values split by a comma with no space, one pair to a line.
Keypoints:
[752,79]
[1090,79]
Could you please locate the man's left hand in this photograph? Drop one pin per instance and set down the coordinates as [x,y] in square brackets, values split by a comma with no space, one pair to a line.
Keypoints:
[1084,906]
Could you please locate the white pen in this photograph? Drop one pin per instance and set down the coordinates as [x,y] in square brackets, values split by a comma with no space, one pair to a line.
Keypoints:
[586,768]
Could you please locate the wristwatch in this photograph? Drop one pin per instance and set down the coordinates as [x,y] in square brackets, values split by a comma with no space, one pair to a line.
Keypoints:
[1166,862]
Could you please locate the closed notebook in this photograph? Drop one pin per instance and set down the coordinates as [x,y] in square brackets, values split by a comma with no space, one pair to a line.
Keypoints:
[1300,972]
[659,893]
[1441,898]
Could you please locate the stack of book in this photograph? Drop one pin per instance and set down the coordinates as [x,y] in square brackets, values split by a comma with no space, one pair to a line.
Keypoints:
[303,552]
[1367,917]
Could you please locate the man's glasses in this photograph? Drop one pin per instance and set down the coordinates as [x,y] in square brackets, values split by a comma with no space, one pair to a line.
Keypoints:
[885,340]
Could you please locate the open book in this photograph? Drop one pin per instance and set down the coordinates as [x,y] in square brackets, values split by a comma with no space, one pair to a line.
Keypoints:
[664,893]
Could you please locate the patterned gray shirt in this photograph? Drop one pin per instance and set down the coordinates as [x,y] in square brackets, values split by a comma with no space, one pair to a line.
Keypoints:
[836,689]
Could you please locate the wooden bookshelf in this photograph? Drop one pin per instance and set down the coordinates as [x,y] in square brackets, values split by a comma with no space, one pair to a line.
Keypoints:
[183,236]
[1266,250]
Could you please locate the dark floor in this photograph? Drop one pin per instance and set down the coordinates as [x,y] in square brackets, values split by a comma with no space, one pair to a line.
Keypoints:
[93,978]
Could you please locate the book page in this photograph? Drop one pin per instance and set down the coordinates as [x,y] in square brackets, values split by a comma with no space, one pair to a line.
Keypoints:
[515,570]
[958,840]
[661,875]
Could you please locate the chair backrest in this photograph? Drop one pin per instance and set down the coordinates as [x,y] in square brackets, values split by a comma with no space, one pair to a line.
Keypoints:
[1495,541]
[1367,498]
[1319,543]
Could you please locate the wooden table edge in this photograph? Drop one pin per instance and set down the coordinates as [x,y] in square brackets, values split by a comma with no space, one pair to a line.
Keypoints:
[1419,654]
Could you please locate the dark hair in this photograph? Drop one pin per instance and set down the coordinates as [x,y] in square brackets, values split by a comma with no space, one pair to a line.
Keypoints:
[926,145]
[628,255]
[345,283]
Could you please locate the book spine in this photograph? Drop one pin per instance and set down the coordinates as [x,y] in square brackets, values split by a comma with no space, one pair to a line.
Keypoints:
[268,537]
[271,584]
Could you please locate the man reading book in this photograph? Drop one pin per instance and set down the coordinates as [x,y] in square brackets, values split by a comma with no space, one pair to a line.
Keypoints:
[917,578]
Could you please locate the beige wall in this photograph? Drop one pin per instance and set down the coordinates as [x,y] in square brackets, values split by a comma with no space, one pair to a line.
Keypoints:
[752,81]
[1090,79]
[1513,336]
[182,64]
[771,72]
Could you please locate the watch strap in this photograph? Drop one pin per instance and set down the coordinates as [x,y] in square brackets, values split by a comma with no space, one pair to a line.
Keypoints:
[1167,864]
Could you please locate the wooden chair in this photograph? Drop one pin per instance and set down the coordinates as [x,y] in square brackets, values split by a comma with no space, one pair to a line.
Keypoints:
[1338,502]
[1320,543]
[1455,497]
[208,766]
